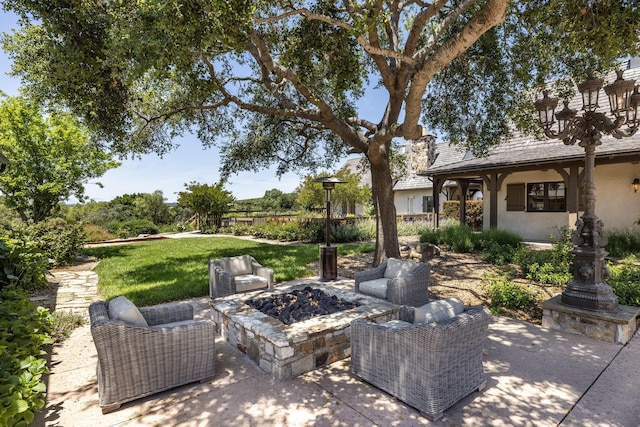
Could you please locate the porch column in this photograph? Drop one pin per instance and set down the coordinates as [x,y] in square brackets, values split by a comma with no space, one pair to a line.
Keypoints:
[571,183]
[437,188]
[463,186]
[494,181]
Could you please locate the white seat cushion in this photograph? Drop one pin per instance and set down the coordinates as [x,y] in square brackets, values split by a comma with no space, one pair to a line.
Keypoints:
[174,324]
[375,287]
[249,282]
[396,268]
[437,311]
[121,308]
[237,265]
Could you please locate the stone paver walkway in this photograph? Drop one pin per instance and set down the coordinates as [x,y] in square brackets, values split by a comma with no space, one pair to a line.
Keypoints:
[536,377]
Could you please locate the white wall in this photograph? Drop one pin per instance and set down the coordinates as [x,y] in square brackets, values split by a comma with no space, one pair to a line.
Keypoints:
[401,200]
[616,203]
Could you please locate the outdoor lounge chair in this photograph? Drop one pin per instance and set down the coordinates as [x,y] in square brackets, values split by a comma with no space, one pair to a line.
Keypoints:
[429,366]
[148,350]
[397,281]
[228,276]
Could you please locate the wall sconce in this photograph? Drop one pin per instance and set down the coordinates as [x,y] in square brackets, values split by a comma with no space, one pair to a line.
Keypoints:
[635,185]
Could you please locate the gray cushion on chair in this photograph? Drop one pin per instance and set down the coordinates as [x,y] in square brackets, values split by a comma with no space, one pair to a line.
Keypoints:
[237,266]
[250,282]
[396,268]
[121,308]
[437,311]
[375,287]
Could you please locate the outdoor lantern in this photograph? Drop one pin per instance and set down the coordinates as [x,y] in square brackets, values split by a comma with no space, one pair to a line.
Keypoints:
[619,93]
[588,289]
[590,89]
[546,106]
[565,116]
[328,253]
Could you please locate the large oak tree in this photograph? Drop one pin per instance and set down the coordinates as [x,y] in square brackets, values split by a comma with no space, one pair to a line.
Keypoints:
[277,82]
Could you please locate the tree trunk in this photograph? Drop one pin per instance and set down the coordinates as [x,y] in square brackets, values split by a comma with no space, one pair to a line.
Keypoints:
[386,227]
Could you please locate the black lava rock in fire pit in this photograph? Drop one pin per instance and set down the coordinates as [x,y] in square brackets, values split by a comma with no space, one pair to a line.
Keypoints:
[299,305]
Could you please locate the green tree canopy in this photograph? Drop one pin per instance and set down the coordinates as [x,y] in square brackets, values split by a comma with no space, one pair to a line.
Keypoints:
[310,195]
[272,199]
[351,193]
[209,202]
[277,83]
[152,206]
[52,157]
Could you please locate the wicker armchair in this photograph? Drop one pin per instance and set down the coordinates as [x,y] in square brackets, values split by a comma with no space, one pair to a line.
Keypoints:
[228,276]
[137,361]
[397,281]
[427,366]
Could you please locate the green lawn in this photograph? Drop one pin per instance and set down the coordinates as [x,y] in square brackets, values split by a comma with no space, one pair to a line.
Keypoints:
[174,269]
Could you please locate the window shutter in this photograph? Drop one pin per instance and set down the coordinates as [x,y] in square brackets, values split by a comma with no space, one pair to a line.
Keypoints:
[515,197]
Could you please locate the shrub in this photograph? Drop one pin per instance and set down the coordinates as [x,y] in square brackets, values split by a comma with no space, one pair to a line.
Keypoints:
[625,281]
[505,293]
[346,232]
[550,267]
[430,236]
[239,230]
[132,228]
[412,228]
[60,240]
[63,323]
[473,216]
[290,231]
[22,264]
[96,233]
[499,246]
[623,243]
[459,238]
[24,331]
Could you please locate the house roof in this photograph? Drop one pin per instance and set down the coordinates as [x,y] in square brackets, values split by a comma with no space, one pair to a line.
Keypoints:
[523,150]
[353,165]
[413,182]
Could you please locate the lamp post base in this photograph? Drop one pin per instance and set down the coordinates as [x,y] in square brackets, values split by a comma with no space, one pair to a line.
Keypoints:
[588,289]
[328,263]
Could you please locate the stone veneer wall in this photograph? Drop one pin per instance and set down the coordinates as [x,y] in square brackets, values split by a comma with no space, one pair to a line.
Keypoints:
[616,327]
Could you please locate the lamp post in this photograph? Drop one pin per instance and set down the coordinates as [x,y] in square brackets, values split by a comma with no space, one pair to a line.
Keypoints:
[328,253]
[588,289]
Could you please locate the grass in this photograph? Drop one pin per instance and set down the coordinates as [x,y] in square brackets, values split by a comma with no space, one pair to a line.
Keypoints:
[175,269]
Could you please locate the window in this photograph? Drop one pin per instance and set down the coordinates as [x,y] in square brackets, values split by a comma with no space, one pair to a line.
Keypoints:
[427,203]
[546,197]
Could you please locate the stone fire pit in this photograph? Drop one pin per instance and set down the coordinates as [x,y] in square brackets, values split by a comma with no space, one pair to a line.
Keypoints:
[286,351]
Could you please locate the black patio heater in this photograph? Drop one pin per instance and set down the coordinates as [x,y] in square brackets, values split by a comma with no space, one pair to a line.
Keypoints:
[328,253]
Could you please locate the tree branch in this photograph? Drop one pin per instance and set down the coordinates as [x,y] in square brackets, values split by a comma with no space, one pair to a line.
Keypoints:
[492,14]
[370,49]
[443,27]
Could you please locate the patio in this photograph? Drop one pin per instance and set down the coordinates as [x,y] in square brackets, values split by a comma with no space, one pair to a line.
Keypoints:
[536,377]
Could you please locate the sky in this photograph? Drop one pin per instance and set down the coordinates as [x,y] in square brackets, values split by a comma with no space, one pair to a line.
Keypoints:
[189,162]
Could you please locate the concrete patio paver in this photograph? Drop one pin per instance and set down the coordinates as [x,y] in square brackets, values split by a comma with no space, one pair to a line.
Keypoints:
[536,377]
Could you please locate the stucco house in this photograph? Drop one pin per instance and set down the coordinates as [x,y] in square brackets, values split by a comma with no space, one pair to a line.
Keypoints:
[413,193]
[534,186]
